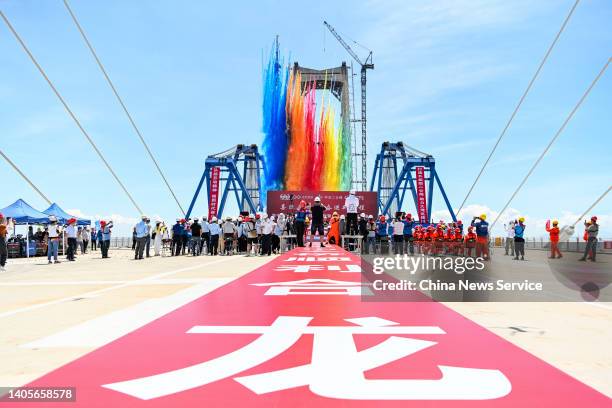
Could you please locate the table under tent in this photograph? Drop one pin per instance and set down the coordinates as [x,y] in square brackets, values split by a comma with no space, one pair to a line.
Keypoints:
[24,214]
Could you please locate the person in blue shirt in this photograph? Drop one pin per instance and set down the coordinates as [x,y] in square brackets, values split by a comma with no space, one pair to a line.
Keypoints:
[99,236]
[300,223]
[519,240]
[482,235]
[142,231]
[177,237]
[382,234]
[215,231]
[408,240]
[106,236]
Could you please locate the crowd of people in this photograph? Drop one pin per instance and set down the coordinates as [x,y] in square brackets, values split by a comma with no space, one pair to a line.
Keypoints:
[263,235]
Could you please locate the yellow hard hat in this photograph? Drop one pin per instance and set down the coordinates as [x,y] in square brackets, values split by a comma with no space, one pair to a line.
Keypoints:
[522,219]
[555,222]
[483,216]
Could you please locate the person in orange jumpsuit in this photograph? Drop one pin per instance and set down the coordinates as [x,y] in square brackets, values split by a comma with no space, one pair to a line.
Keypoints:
[554,238]
[439,239]
[429,237]
[470,242]
[449,239]
[481,227]
[585,236]
[458,238]
[333,235]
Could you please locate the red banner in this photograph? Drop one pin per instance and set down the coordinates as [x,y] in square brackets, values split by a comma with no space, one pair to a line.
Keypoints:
[213,197]
[421,195]
[287,201]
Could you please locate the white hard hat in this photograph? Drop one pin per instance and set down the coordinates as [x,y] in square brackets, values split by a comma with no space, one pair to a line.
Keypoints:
[352,192]
[52,218]
[317,199]
[362,215]
[144,217]
[214,219]
[228,218]
[342,217]
[370,216]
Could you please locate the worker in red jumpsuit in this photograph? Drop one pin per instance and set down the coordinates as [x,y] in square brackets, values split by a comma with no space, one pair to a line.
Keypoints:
[458,238]
[418,238]
[470,242]
[429,237]
[439,240]
[449,239]
[554,238]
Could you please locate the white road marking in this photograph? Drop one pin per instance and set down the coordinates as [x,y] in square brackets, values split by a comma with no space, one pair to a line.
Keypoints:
[104,290]
[104,329]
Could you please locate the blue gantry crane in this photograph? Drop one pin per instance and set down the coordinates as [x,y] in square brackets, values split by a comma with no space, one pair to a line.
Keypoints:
[240,172]
[395,174]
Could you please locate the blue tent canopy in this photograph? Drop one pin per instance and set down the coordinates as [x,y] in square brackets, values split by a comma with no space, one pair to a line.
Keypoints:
[23,213]
[62,216]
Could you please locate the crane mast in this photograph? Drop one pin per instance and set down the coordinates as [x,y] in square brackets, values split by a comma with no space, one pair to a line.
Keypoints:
[365,65]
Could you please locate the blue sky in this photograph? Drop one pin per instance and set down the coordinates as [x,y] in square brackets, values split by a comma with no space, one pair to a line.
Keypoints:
[447,76]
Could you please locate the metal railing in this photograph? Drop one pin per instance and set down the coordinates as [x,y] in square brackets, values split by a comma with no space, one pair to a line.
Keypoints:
[604,246]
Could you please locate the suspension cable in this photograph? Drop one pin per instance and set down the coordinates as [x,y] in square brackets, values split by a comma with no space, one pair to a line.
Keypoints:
[14,166]
[518,105]
[569,117]
[592,206]
[72,115]
[120,100]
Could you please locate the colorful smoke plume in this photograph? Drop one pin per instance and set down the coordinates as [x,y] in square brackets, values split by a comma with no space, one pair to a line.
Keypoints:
[307,144]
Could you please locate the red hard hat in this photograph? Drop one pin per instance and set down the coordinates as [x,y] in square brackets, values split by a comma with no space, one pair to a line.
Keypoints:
[1,215]
[459,222]
[302,203]
[257,216]
[594,218]
[409,215]
[102,222]
[382,218]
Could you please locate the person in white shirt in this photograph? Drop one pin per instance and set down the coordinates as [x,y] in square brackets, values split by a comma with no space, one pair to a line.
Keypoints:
[280,230]
[398,236]
[258,228]
[205,236]
[251,234]
[352,206]
[79,238]
[85,235]
[229,234]
[267,228]
[54,232]
[215,230]
[509,237]
[71,233]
